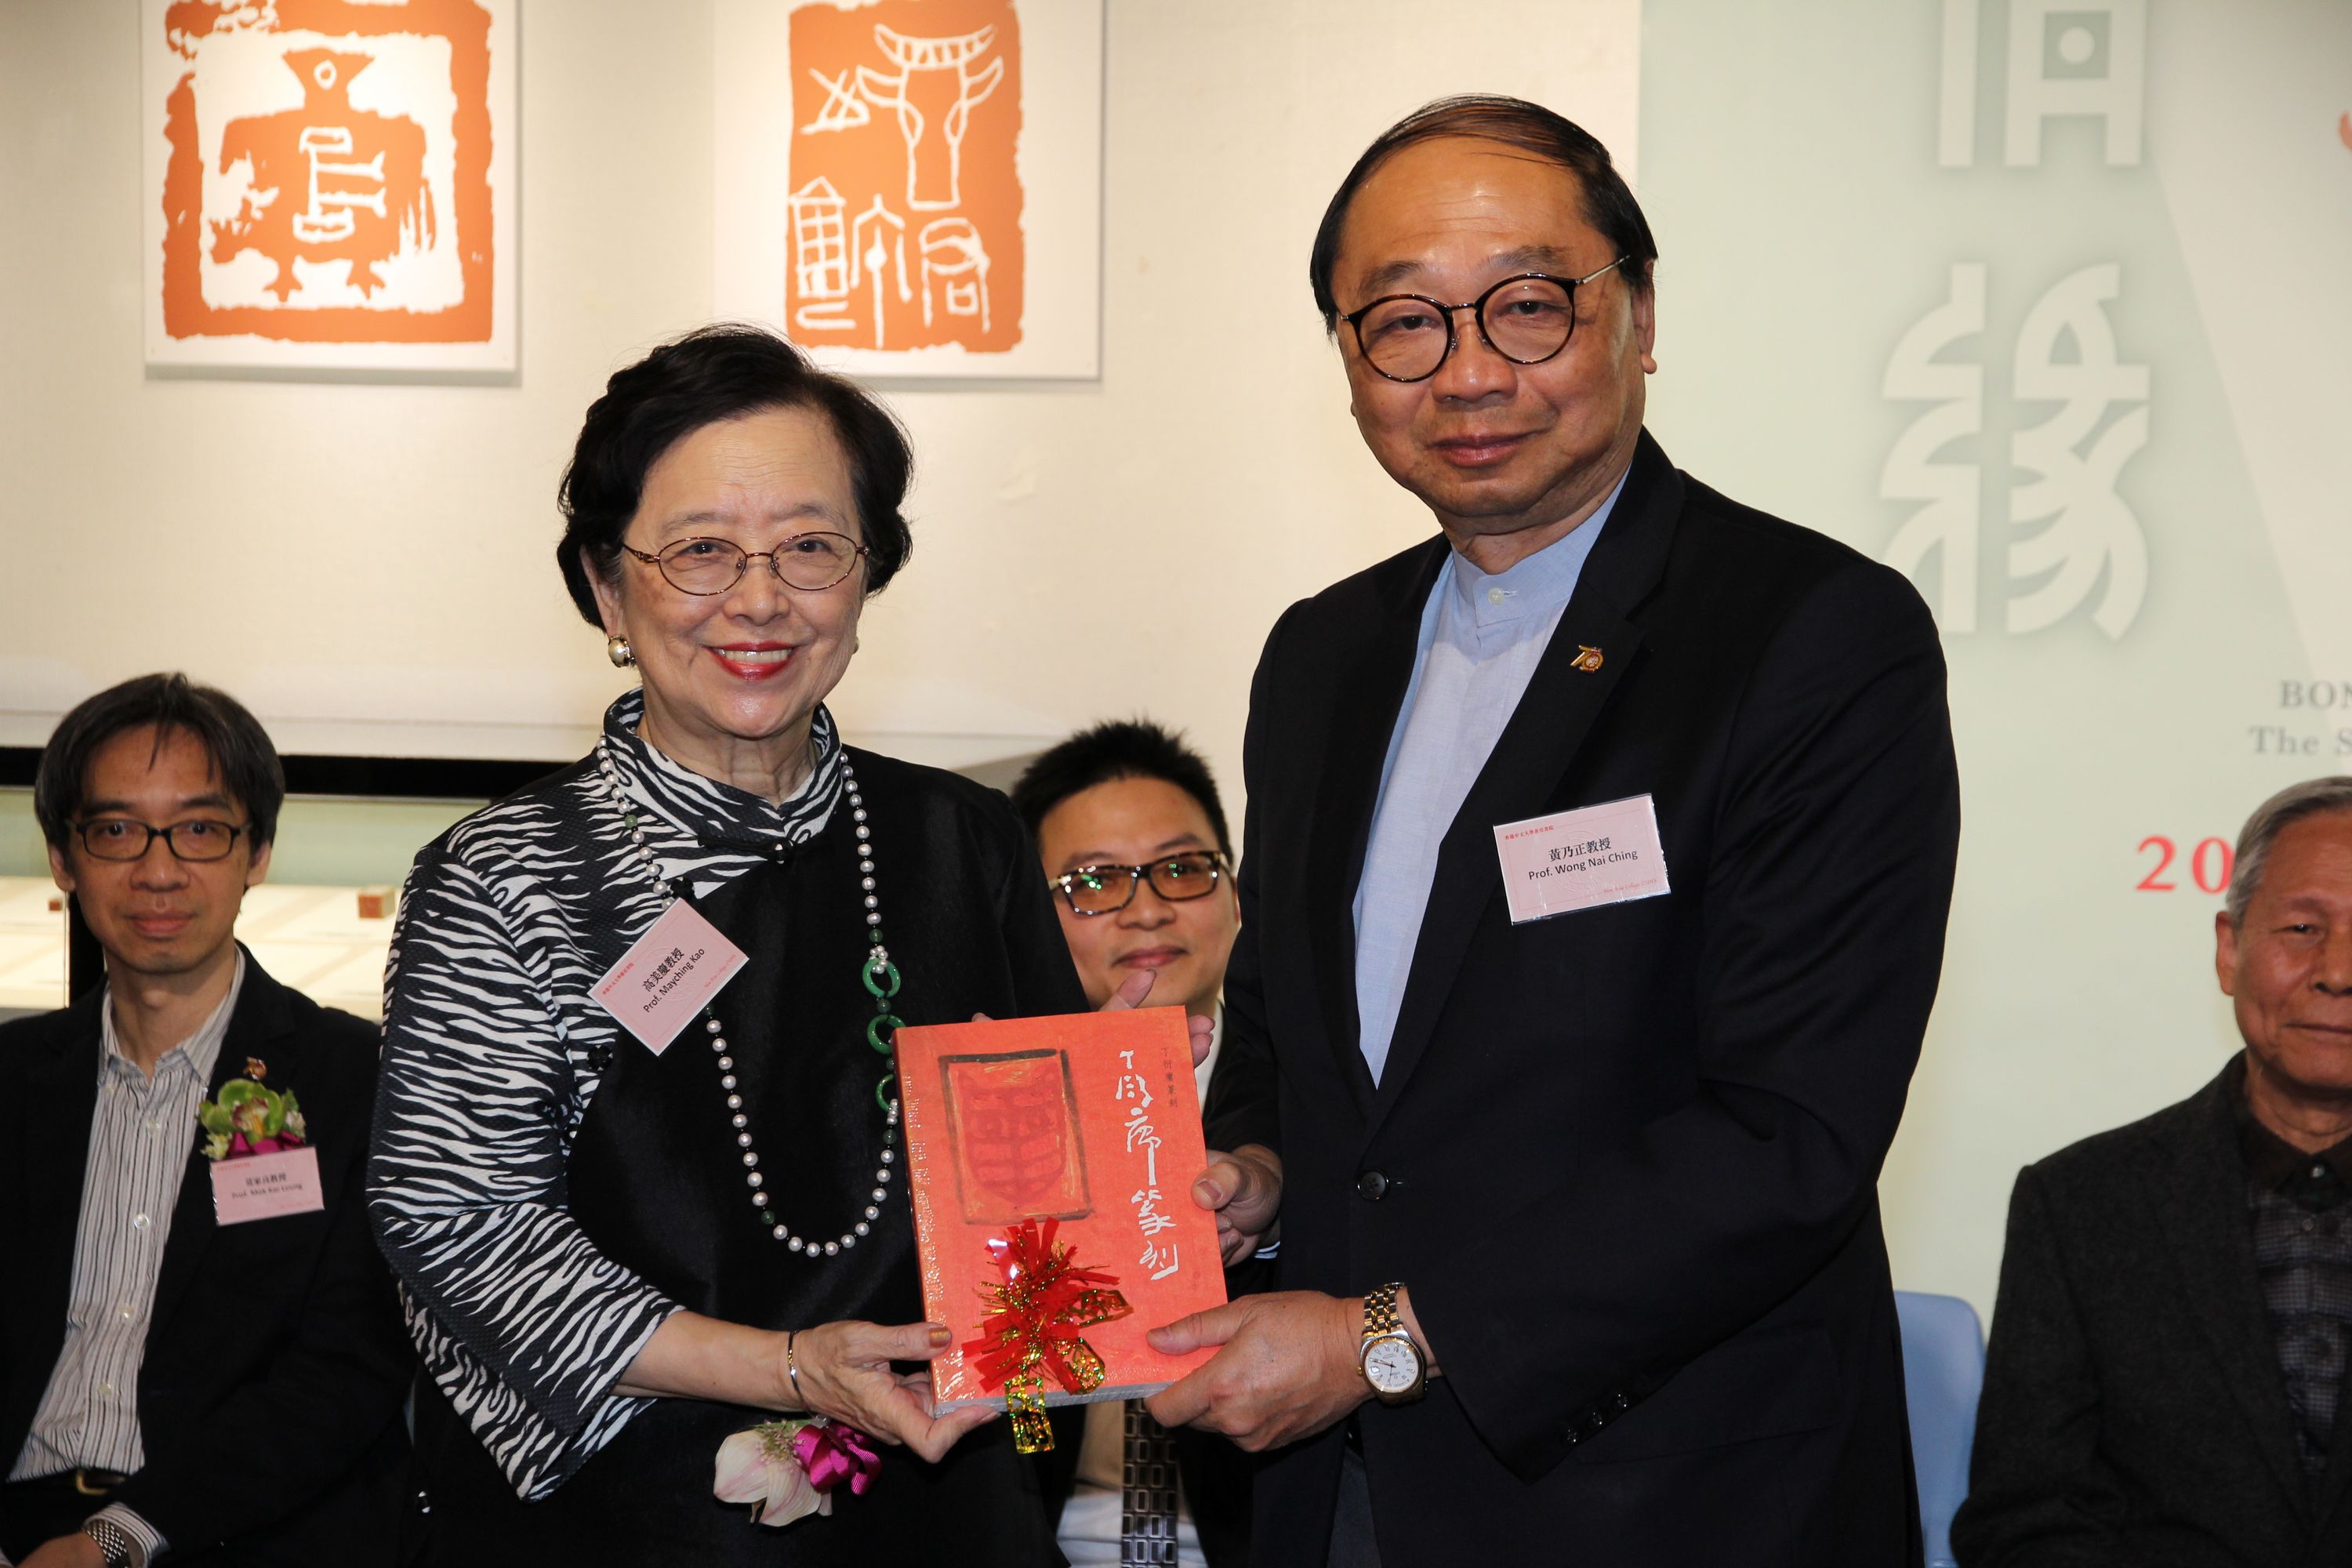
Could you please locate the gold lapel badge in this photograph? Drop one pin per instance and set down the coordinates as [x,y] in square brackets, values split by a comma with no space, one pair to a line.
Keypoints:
[1588,660]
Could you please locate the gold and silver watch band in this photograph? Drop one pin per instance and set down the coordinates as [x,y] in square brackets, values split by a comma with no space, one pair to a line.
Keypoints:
[1391,1363]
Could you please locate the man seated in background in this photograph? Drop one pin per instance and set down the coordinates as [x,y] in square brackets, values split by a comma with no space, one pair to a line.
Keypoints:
[1132,836]
[2166,1380]
[182,1374]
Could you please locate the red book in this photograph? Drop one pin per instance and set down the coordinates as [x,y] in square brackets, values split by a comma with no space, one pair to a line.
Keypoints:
[1084,1130]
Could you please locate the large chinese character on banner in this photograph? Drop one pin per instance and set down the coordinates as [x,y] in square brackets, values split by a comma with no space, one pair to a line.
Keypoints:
[329,184]
[912,187]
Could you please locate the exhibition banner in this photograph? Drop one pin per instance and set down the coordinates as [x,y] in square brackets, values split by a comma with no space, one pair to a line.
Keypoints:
[2040,303]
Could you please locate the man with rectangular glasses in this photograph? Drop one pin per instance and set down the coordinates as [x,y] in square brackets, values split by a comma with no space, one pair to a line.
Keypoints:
[201,1354]
[1593,895]
[1132,837]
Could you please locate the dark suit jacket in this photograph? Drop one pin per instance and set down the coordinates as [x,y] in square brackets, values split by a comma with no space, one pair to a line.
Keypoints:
[2134,1412]
[1626,1158]
[270,1397]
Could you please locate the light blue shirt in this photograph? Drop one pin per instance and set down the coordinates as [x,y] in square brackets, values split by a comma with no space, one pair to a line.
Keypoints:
[1481,638]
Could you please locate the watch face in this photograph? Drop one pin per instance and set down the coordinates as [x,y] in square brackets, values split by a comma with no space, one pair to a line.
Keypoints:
[1391,1365]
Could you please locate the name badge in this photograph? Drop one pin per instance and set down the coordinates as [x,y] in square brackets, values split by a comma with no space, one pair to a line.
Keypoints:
[664,979]
[264,1187]
[1606,854]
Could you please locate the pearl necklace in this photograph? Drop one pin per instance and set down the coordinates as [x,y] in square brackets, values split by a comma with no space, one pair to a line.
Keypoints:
[881,979]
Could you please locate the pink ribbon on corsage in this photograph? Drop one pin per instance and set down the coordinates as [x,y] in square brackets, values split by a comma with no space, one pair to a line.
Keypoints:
[833,1454]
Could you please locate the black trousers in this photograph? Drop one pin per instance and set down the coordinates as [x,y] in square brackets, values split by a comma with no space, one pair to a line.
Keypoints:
[1353,1544]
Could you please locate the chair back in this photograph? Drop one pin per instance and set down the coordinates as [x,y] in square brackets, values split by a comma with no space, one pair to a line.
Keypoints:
[1943,1372]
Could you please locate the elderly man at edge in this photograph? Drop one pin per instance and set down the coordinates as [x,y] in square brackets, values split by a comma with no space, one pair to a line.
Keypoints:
[2167,1378]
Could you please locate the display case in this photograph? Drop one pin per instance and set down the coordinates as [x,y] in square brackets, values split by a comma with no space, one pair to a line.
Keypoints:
[322,922]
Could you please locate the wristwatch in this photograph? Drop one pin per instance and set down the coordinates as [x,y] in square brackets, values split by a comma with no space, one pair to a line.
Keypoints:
[1391,1362]
[114,1542]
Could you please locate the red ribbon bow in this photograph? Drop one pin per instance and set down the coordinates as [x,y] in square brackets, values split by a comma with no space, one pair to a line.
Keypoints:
[1034,1327]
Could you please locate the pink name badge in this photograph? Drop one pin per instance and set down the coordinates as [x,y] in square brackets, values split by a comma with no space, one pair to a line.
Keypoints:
[663,981]
[264,1187]
[1595,855]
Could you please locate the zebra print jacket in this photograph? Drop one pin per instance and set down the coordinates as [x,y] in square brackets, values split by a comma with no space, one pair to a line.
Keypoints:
[492,1046]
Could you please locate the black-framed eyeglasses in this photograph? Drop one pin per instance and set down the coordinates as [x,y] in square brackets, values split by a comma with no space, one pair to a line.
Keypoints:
[1107,890]
[1527,319]
[126,838]
[810,562]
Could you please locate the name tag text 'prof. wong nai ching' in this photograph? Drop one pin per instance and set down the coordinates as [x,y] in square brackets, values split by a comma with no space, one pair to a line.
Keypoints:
[1605,853]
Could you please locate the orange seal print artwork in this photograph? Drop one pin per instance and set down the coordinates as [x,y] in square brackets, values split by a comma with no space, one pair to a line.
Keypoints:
[905,216]
[1016,1128]
[329,176]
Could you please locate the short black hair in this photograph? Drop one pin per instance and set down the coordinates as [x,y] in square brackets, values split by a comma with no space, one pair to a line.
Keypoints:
[239,748]
[711,375]
[1117,749]
[1609,205]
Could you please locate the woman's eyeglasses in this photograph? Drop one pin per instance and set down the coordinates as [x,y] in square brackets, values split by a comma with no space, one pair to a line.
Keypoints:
[810,562]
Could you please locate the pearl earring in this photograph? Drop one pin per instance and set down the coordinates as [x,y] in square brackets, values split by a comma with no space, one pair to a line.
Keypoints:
[617,650]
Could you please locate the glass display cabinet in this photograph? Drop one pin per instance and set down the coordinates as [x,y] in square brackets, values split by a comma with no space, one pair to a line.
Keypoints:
[322,922]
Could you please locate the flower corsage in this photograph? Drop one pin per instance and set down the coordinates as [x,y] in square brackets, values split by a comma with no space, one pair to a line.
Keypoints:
[787,1468]
[250,1118]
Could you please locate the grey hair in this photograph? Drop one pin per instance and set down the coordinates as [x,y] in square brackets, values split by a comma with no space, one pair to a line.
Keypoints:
[2273,817]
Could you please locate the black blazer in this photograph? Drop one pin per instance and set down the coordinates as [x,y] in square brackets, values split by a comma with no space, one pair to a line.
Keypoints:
[1625,1159]
[270,1397]
[2133,1408]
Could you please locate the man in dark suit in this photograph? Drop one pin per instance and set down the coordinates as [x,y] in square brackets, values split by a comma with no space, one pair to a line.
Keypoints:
[1132,836]
[2167,1378]
[186,1374]
[1593,890]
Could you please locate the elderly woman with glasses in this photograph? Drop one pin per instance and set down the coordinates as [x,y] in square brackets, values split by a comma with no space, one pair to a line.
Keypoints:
[639,1202]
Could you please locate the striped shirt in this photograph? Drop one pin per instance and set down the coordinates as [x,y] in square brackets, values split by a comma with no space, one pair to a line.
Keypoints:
[494,1047]
[140,1135]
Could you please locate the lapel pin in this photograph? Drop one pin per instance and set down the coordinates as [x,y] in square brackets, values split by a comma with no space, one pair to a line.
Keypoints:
[1588,660]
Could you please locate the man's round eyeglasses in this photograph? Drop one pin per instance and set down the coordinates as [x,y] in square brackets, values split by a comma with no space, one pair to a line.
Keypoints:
[810,562]
[1107,890]
[122,838]
[1527,319]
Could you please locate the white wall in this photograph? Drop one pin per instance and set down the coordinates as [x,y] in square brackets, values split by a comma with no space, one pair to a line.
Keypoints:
[369,565]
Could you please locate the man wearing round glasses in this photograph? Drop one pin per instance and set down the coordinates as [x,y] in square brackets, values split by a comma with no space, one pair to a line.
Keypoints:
[174,1376]
[1592,896]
